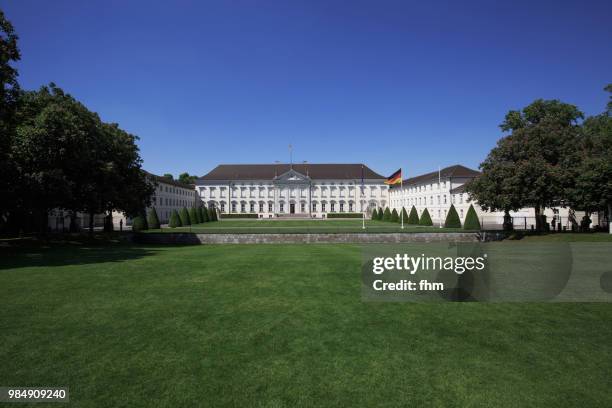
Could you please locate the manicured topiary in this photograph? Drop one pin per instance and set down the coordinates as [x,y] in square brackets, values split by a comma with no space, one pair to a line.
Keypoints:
[184,214]
[175,220]
[387,214]
[212,214]
[193,215]
[380,214]
[139,223]
[404,216]
[152,219]
[471,220]
[374,215]
[413,218]
[204,215]
[394,216]
[425,219]
[452,218]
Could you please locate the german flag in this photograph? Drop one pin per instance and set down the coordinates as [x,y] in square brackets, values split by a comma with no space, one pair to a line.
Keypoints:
[395,178]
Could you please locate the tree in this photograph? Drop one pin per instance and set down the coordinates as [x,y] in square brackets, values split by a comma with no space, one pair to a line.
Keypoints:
[184,214]
[591,189]
[394,216]
[204,212]
[471,219]
[404,215]
[380,214]
[387,214]
[153,219]
[527,168]
[193,215]
[185,178]
[9,93]
[452,218]
[413,218]
[175,220]
[139,223]
[425,219]
[168,176]
[374,215]
[212,214]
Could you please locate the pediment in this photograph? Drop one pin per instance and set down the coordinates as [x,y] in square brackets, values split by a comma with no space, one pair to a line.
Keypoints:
[292,176]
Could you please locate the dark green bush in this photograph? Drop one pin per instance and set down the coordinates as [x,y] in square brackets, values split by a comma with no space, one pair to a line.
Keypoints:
[193,215]
[239,215]
[184,214]
[452,218]
[374,215]
[153,219]
[204,215]
[404,216]
[344,215]
[394,216]
[380,214]
[139,223]
[425,219]
[175,220]
[471,220]
[387,215]
[413,218]
[212,214]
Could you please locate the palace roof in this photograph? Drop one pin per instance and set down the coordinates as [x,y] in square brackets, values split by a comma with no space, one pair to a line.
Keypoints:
[270,171]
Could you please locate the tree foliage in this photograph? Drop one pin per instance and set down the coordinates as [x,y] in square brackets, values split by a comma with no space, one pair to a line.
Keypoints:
[153,219]
[175,220]
[413,218]
[471,219]
[185,178]
[185,219]
[394,216]
[193,215]
[452,218]
[404,215]
[139,223]
[380,214]
[374,216]
[387,214]
[204,213]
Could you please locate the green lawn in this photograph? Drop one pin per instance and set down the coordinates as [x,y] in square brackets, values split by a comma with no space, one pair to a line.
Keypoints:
[279,325]
[302,226]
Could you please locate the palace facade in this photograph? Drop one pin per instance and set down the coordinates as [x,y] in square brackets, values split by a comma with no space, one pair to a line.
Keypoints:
[292,190]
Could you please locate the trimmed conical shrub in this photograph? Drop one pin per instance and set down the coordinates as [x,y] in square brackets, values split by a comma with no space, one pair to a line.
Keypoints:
[404,216]
[387,214]
[471,220]
[175,220]
[374,215]
[212,215]
[413,218]
[193,215]
[204,212]
[380,214]
[153,219]
[452,218]
[425,219]
[394,216]
[139,223]
[184,214]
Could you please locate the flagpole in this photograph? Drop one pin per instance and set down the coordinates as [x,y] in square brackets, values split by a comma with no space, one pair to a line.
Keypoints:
[401,199]
[439,182]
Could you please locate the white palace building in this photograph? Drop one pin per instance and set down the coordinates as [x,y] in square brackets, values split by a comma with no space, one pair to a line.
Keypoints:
[293,190]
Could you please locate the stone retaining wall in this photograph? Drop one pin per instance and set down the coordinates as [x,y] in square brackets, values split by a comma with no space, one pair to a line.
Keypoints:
[187,238]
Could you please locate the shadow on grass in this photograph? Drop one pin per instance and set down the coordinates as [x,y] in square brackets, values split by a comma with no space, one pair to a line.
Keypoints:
[69,251]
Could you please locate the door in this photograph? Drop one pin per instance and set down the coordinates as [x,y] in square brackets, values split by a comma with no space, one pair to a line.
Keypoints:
[292,208]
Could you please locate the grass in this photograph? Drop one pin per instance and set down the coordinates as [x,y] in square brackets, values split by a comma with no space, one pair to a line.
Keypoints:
[278,325]
[302,226]
[570,237]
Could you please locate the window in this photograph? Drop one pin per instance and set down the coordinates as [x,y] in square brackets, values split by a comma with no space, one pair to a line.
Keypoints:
[242,207]
[350,207]
[460,198]
[282,207]
[322,207]
[431,200]
[314,207]
[438,200]
[222,206]
[444,198]
[333,207]
[341,207]
[270,207]
[261,207]
[252,207]
[461,212]
[303,207]
[438,213]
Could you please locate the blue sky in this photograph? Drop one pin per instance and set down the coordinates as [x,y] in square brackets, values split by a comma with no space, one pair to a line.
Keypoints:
[389,83]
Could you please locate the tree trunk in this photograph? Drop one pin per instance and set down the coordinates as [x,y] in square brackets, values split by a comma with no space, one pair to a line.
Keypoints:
[91,223]
[610,218]
[538,218]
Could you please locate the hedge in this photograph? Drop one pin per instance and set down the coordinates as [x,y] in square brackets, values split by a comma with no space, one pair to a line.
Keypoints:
[380,214]
[193,215]
[404,215]
[344,215]
[204,215]
[452,218]
[413,218]
[471,220]
[239,215]
[175,220]
[387,215]
[425,219]
[212,214]
[374,215]
[184,214]
[394,216]
[153,219]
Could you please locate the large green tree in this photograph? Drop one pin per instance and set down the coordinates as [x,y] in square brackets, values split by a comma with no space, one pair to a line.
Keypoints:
[185,178]
[528,167]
